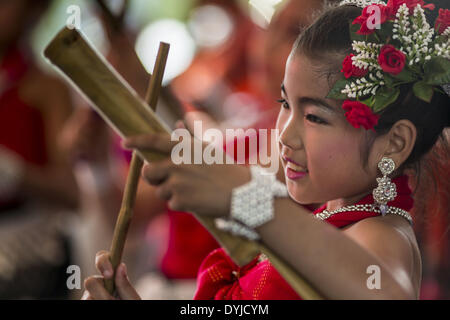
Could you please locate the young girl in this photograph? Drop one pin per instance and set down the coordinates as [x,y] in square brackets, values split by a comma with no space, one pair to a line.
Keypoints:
[352,156]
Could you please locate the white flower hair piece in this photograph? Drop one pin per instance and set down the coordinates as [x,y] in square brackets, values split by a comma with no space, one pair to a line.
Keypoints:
[361,3]
[403,50]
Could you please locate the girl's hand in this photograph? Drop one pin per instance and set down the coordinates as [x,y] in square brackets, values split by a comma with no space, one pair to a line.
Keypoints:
[199,188]
[94,285]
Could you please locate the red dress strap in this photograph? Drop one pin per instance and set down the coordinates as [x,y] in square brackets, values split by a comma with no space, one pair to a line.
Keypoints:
[220,278]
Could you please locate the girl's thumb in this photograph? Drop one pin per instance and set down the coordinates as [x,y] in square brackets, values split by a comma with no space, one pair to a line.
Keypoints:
[123,285]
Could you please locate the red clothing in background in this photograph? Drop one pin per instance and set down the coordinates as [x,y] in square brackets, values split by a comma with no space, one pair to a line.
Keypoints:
[21,125]
[189,244]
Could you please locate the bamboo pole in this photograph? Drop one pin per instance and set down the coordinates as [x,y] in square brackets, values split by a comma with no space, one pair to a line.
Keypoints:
[124,218]
[121,107]
[134,173]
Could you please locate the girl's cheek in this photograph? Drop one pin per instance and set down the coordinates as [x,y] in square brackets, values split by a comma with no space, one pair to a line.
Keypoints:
[328,154]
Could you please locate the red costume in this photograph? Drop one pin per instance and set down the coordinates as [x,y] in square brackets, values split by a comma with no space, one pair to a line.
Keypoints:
[220,278]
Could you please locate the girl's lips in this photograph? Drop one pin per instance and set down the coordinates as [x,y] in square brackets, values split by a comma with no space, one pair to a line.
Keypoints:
[290,160]
[295,167]
[293,170]
[294,175]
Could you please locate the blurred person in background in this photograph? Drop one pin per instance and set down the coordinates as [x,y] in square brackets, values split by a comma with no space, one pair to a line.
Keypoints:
[37,185]
[433,226]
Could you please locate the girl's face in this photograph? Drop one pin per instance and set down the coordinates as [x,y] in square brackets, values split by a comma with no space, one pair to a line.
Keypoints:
[320,151]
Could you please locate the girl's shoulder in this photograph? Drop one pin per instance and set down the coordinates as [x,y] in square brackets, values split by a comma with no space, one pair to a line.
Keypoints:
[389,227]
[390,238]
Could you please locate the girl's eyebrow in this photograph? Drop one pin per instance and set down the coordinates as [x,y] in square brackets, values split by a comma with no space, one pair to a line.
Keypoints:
[318,102]
[309,100]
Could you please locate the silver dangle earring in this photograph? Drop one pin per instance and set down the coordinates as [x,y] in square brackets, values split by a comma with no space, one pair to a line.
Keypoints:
[386,190]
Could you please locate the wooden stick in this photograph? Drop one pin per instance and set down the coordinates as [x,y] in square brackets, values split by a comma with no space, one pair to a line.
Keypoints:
[134,173]
[124,218]
[120,106]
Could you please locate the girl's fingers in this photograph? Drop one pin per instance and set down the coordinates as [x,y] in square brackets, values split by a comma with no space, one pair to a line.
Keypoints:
[103,264]
[180,124]
[123,285]
[150,142]
[86,296]
[164,192]
[157,172]
[95,287]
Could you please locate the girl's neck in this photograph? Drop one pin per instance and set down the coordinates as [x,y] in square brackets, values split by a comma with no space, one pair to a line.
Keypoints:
[343,202]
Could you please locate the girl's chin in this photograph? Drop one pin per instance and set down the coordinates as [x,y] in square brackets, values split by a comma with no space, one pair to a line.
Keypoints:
[297,195]
[300,195]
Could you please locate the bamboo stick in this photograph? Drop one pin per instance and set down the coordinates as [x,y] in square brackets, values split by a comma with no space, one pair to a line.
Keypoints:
[124,218]
[110,95]
[134,173]
[120,106]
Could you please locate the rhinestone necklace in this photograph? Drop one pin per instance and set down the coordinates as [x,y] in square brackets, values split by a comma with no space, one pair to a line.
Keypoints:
[325,214]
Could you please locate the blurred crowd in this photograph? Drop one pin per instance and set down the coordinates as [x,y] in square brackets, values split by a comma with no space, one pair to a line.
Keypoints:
[62,170]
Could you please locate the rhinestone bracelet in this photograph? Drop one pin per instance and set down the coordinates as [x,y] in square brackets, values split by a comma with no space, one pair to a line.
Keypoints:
[252,204]
[236,229]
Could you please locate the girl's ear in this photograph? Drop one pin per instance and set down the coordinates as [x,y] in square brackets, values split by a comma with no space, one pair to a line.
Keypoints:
[400,141]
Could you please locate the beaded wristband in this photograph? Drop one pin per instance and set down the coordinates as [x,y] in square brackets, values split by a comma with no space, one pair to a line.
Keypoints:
[236,229]
[252,204]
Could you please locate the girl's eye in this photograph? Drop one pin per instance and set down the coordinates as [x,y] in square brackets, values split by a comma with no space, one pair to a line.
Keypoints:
[284,103]
[314,119]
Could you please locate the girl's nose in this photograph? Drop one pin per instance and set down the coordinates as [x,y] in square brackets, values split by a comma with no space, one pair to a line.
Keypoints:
[290,135]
